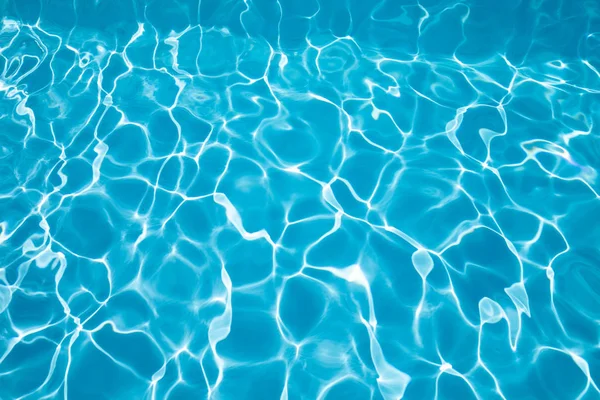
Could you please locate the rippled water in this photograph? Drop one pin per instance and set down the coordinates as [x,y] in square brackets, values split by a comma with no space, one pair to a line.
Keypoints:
[299,199]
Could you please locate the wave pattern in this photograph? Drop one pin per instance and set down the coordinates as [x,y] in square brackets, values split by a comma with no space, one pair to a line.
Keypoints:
[287,199]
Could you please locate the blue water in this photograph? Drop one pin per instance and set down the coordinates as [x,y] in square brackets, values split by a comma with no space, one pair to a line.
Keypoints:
[299,199]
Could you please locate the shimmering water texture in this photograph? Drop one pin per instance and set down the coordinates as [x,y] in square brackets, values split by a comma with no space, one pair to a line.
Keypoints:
[299,199]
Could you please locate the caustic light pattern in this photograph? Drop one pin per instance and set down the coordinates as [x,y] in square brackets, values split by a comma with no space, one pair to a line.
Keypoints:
[299,199]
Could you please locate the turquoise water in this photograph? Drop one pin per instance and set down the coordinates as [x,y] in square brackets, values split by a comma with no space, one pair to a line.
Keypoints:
[299,199]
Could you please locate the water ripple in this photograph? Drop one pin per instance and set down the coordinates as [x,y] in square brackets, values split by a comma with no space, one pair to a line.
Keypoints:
[250,199]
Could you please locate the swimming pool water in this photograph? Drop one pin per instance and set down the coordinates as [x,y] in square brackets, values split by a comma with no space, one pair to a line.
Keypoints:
[286,199]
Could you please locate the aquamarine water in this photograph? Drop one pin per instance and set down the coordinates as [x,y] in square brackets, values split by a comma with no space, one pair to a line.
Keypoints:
[299,199]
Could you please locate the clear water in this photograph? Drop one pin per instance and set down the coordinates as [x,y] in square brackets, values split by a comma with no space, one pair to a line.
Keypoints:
[299,199]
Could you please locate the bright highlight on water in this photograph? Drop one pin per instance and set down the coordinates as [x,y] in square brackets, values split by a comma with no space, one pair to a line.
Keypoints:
[299,199]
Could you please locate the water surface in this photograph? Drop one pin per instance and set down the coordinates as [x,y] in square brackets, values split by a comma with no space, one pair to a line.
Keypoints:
[285,199]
